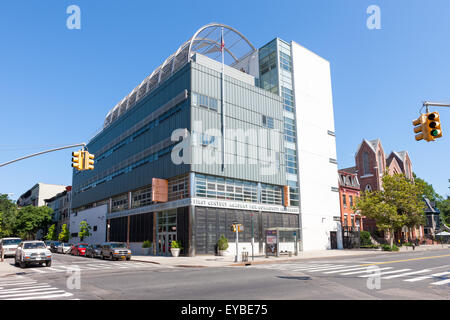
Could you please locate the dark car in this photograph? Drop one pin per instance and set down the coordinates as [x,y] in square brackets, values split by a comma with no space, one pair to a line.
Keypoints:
[115,251]
[94,251]
[54,246]
[79,249]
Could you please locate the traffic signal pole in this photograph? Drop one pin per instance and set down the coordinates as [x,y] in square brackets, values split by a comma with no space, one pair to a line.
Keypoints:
[42,152]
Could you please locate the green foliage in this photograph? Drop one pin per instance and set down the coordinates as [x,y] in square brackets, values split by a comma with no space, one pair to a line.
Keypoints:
[222,243]
[365,239]
[444,208]
[146,244]
[398,204]
[64,235]
[370,246]
[427,189]
[386,247]
[31,219]
[85,229]
[176,244]
[51,235]
[8,214]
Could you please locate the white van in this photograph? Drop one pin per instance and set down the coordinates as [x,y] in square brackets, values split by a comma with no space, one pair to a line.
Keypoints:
[9,245]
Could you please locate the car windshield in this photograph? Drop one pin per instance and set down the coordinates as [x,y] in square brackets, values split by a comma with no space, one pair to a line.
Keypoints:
[56,243]
[34,245]
[82,246]
[67,245]
[118,245]
[9,242]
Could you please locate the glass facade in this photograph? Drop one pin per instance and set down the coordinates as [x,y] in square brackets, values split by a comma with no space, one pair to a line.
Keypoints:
[275,63]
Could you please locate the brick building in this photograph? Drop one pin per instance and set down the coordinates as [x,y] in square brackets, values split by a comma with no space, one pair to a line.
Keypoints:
[370,164]
[349,191]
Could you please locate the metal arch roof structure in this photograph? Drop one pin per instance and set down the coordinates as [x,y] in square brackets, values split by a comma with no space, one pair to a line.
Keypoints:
[206,41]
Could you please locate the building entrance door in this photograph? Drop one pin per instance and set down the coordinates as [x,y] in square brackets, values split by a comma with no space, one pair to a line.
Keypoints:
[166,231]
[333,238]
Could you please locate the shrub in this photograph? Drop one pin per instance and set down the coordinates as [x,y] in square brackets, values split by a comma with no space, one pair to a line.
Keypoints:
[386,247]
[146,244]
[176,244]
[222,243]
[365,238]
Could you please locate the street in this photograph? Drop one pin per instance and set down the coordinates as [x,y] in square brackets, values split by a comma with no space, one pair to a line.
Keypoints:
[406,275]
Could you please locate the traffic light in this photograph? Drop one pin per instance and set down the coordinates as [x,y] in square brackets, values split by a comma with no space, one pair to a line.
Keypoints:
[89,161]
[419,128]
[77,160]
[433,126]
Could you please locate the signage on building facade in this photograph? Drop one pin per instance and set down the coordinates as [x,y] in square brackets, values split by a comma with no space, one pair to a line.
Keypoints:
[226,204]
[160,190]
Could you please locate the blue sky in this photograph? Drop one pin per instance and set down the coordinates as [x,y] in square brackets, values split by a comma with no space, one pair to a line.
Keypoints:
[57,85]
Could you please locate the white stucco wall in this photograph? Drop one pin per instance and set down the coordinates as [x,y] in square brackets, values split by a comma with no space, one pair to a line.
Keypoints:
[317,175]
[95,217]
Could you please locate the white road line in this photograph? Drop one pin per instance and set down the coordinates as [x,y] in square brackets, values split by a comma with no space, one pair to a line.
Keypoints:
[301,268]
[32,286]
[427,277]
[54,269]
[382,273]
[30,294]
[6,293]
[336,269]
[66,294]
[367,270]
[351,269]
[18,283]
[439,283]
[406,274]
[101,265]
[326,268]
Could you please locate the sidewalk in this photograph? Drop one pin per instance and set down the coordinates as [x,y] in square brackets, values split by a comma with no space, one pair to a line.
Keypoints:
[218,261]
[6,268]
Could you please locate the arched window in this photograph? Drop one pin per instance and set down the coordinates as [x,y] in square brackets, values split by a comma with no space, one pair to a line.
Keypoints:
[366,163]
[368,188]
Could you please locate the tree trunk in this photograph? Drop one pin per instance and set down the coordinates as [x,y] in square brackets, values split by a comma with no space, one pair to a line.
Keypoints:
[391,237]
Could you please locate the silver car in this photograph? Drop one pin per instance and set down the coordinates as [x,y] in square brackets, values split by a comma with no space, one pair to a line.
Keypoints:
[115,251]
[9,246]
[64,248]
[32,252]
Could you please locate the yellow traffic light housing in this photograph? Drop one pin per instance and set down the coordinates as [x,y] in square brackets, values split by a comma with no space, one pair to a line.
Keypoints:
[433,126]
[88,161]
[419,128]
[77,160]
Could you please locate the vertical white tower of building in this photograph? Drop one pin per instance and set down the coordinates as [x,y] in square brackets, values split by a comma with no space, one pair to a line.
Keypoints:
[316,147]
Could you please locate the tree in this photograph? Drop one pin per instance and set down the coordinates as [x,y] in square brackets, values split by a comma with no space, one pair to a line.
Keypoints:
[444,208]
[31,219]
[64,235]
[51,235]
[398,204]
[8,213]
[427,190]
[84,230]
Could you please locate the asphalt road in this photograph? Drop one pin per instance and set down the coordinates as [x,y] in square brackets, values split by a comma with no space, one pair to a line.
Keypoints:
[409,275]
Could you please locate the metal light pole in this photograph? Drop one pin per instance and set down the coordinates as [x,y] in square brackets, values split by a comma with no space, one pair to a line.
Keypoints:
[253,239]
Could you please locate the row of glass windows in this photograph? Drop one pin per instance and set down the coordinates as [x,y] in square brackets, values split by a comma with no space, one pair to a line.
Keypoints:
[293,193]
[285,61]
[154,123]
[231,189]
[288,99]
[344,200]
[291,161]
[267,122]
[151,158]
[204,101]
[289,129]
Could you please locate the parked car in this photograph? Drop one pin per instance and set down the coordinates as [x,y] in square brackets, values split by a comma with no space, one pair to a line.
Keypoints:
[79,249]
[115,251]
[32,252]
[94,251]
[64,248]
[9,246]
[52,245]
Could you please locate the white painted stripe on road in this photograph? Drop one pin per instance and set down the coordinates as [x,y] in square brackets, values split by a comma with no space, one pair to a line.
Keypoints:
[30,294]
[367,270]
[374,273]
[39,271]
[337,269]
[18,283]
[427,277]
[25,288]
[351,269]
[406,274]
[66,294]
[100,266]
[439,283]
[54,269]
[27,291]
[326,268]
[302,268]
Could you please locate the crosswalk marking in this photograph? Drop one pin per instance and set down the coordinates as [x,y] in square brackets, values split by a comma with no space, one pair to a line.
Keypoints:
[367,270]
[427,277]
[329,268]
[345,270]
[24,288]
[439,283]
[406,274]
[16,283]
[49,296]
[381,273]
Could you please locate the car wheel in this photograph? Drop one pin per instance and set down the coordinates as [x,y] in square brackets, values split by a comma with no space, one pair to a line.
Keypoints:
[129,258]
[15,262]
[48,263]
[22,264]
